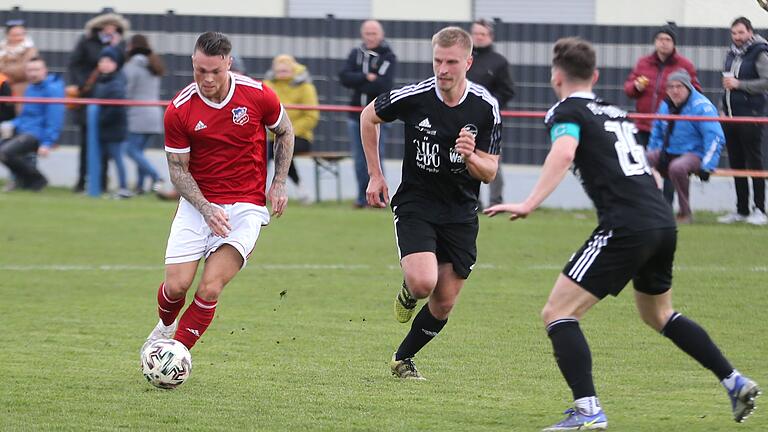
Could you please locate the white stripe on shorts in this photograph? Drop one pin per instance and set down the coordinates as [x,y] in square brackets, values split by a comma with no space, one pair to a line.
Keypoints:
[588,256]
[397,240]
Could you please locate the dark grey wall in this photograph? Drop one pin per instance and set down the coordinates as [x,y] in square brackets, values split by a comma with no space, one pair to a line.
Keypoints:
[323,43]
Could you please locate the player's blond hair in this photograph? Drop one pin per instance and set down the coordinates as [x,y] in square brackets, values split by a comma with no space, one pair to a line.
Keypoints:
[450,36]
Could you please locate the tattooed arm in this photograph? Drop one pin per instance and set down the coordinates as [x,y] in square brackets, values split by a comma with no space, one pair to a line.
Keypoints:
[283,154]
[215,216]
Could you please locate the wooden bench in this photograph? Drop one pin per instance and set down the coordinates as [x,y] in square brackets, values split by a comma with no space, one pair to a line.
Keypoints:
[326,162]
[727,172]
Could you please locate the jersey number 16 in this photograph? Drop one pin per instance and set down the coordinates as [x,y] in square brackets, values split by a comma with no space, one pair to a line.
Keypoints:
[631,154]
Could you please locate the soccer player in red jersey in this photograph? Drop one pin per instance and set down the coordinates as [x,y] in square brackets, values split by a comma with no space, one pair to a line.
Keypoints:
[215,141]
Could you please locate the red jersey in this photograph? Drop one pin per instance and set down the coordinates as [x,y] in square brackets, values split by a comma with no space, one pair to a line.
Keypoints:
[226,140]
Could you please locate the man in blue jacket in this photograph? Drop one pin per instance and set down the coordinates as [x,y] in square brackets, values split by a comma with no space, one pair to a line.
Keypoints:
[679,148]
[36,129]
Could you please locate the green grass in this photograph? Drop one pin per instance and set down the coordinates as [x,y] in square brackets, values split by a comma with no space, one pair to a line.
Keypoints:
[78,279]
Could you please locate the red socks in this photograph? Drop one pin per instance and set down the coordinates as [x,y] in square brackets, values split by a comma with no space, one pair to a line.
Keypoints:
[195,321]
[168,309]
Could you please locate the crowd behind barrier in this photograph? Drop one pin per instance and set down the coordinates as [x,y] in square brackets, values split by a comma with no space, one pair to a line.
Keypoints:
[320,43]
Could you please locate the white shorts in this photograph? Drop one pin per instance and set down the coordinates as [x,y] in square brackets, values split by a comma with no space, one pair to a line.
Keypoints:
[191,238]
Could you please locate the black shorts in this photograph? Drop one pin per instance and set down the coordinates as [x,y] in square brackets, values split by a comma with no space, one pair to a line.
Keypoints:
[610,259]
[454,243]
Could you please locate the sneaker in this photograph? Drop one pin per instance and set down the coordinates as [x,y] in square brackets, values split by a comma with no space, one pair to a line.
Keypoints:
[743,398]
[161,331]
[731,218]
[158,186]
[405,305]
[405,369]
[574,420]
[122,194]
[757,217]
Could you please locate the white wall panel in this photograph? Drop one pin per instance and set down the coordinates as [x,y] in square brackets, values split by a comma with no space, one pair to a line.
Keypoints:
[686,13]
[356,9]
[422,10]
[537,11]
[269,8]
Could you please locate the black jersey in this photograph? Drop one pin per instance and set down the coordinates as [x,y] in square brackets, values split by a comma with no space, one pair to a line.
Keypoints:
[435,181]
[612,166]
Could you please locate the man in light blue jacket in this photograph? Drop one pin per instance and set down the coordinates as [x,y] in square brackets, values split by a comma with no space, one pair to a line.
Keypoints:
[682,147]
[36,129]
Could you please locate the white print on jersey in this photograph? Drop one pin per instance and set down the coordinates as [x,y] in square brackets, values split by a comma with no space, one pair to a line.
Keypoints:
[427,156]
[200,125]
[631,155]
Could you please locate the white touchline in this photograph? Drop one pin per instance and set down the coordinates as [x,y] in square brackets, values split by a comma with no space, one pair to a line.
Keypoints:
[339,266]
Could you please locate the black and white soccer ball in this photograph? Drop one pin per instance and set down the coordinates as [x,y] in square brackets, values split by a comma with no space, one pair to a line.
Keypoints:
[763,4]
[166,363]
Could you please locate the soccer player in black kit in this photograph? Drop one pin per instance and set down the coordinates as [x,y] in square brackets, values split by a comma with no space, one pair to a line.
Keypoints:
[452,142]
[635,238]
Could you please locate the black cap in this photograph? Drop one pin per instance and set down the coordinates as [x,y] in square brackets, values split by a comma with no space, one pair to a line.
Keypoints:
[670,29]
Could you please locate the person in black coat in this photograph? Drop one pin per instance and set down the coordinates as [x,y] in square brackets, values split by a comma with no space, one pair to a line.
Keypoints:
[113,119]
[105,30]
[491,70]
[369,71]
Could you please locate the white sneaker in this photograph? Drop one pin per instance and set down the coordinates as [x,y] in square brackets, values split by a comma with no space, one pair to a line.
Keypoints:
[757,217]
[732,218]
[161,331]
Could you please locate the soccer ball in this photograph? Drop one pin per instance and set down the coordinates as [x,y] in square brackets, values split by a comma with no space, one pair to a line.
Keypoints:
[763,4]
[166,363]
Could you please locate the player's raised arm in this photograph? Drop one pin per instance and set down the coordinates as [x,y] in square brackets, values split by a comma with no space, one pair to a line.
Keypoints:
[377,193]
[283,154]
[215,217]
[553,171]
[481,165]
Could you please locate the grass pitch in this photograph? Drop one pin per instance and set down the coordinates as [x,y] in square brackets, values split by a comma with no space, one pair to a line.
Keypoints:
[78,279]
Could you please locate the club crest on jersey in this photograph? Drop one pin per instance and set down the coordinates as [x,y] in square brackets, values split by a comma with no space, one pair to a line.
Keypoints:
[240,116]
[471,129]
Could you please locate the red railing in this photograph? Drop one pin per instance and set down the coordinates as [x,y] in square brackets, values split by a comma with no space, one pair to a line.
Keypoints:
[345,108]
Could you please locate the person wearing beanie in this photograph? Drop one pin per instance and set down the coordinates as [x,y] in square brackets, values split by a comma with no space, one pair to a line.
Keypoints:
[105,29]
[678,148]
[113,119]
[647,82]
[745,85]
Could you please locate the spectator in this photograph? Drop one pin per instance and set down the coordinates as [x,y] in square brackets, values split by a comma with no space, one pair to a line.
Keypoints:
[111,84]
[101,31]
[293,85]
[647,83]
[491,70]
[7,112]
[36,129]
[7,109]
[369,71]
[678,148]
[143,72]
[745,80]
[15,51]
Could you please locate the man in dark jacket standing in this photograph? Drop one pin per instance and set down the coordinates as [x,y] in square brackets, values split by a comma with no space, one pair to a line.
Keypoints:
[745,80]
[491,70]
[369,71]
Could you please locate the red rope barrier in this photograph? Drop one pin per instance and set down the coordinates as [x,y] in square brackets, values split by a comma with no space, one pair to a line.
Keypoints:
[345,108]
